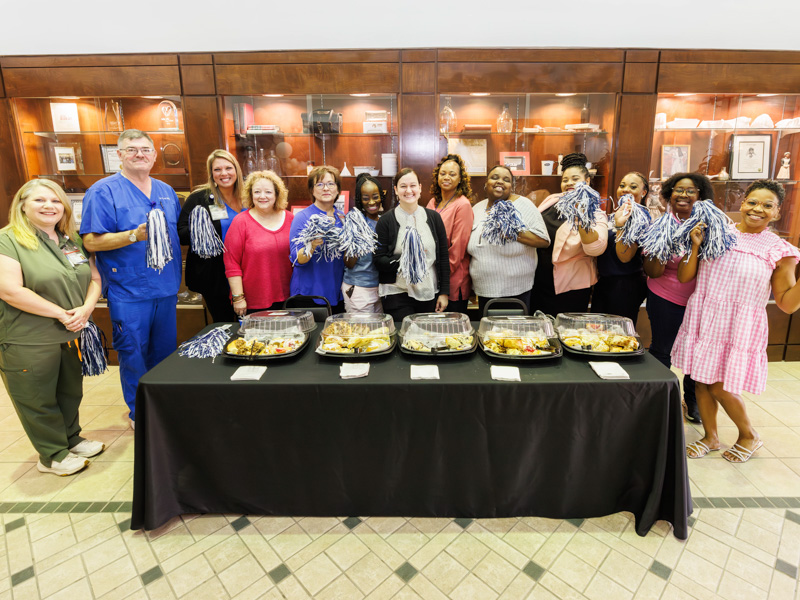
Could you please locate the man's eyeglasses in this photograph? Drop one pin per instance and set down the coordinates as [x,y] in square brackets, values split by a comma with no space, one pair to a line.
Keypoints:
[132,151]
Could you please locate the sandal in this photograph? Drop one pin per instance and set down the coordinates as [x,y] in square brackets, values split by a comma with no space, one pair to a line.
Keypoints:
[742,453]
[699,449]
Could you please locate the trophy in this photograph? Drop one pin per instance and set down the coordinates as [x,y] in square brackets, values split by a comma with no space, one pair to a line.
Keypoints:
[168,117]
[114,121]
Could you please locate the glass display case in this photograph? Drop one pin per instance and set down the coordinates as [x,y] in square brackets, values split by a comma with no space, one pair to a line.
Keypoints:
[72,140]
[733,139]
[529,133]
[290,134]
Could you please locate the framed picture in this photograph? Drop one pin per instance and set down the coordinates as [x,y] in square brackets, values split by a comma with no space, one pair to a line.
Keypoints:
[343,201]
[65,117]
[750,156]
[65,158]
[472,151]
[112,163]
[674,159]
[518,162]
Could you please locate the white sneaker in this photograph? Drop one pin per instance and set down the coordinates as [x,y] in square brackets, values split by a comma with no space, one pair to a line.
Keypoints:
[88,448]
[133,424]
[70,465]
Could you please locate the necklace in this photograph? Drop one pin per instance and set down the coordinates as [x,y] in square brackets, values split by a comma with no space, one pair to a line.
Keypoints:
[439,210]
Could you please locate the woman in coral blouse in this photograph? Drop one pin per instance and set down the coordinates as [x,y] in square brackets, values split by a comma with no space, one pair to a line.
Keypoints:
[451,192]
[257,258]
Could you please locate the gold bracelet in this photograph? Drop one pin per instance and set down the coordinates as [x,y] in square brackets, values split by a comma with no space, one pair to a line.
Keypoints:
[237,298]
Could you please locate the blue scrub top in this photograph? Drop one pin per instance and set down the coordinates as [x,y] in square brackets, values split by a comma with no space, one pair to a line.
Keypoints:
[225,223]
[114,204]
[315,278]
[364,273]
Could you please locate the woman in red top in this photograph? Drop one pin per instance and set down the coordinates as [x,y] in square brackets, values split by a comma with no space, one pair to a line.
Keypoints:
[257,259]
[451,192]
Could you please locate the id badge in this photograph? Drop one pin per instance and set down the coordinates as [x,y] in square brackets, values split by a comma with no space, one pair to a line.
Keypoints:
[218,212]
[75,257]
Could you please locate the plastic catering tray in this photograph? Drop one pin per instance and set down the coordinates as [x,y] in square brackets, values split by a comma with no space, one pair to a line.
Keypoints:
[522,338]
[437,334]
[598,335]
[271,334]
[357,335]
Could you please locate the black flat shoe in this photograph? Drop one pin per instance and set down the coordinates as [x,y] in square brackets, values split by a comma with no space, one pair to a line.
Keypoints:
[693,414]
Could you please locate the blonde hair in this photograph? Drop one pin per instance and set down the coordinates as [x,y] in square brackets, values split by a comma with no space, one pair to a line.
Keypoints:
[19,224]
[134,134]
[282,200]
[211,185]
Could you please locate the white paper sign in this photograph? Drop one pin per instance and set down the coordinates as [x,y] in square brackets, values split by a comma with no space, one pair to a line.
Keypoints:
[65,116]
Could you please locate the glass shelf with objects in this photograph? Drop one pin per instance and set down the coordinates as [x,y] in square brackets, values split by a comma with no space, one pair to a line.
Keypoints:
[733,139]
[530,133]
[290,134]
[72,140]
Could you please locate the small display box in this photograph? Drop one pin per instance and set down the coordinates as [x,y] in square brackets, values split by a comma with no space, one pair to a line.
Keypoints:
[357,335]
[444,334]
[598,335]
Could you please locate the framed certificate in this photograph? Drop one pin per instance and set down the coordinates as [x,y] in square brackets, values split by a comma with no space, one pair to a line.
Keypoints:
[112,163]
[750,156]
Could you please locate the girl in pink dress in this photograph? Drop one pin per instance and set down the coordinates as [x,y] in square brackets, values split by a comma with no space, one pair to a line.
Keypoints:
[722,342]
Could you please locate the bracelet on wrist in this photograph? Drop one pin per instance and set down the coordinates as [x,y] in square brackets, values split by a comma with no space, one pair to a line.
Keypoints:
[237,297]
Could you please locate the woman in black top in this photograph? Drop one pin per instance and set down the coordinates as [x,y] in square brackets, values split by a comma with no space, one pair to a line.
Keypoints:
[221,196]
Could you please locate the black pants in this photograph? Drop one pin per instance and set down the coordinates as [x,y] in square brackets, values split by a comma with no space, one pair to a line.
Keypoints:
[620,295]
[459,305]
[524,296]
[572,301]
[400,306]
[219,305]
[665,321]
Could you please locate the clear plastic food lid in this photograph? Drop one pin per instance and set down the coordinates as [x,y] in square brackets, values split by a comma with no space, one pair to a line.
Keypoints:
[515,327]
[433,325]
[570,324]
[268,323]
[358,325]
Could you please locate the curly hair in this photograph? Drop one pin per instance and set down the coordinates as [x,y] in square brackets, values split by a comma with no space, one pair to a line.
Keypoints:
[701,182]
[771,186]
[463,189]
[360,181]
[282,193]
[575,159]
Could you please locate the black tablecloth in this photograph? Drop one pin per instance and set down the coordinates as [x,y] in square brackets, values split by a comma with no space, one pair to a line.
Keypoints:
[301,441]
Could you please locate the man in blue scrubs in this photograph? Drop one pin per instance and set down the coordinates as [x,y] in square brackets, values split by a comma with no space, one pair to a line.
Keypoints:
[141,301]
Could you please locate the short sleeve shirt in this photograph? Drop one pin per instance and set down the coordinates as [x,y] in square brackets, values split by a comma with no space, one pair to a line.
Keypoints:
[48,272]
[114,204]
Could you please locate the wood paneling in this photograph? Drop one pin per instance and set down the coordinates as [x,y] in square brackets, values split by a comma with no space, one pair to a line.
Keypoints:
[778,324]
[307,79]
[203,133]
[419,78]
[529,77]
[520,55]
[794,330]
[419,144]
[640,78]
[641,56]
[312,56]
[93,81]
[729,78]
[634,137]
[198,80]
[729,56]
[11,173]
[419,55]
[89,60]
[2,86]
[792,353]
[777,353]
[196,59]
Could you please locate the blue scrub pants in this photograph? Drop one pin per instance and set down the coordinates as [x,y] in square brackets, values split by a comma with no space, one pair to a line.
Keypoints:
[144,333]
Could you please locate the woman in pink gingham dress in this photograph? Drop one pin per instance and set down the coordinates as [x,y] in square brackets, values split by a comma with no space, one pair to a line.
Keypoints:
[722,342]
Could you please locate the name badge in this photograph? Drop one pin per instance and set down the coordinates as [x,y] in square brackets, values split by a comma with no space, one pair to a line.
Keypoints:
[75,256]
[218,212]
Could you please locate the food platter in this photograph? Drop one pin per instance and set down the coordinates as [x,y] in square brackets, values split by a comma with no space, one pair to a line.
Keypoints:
[240,348]
[598,335]
[357,335]
[437,334]
[519,338]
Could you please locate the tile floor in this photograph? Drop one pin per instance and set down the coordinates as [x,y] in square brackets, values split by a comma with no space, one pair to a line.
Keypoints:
[69,538]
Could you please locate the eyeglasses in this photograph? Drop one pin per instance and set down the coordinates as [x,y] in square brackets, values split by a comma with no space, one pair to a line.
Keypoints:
[133,151]
[685,191]
[763,205]
[326,184]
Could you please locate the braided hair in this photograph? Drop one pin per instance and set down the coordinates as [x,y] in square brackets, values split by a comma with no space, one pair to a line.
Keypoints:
[575,159]
[360,181]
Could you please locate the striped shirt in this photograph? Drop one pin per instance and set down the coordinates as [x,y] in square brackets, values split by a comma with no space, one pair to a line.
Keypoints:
[500,271]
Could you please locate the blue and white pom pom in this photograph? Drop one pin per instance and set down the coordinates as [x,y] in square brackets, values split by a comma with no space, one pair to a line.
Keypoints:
[208,345]
[718,237]
[638,222]
[94,350]
[657,243]
[320,226]
[503,223]
[206,243]
[580,203]
[159,248]
[357,238]
[412,259]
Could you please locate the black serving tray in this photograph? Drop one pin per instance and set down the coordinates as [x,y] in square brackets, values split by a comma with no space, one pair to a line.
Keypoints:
[260,357]
[357,354]
[525,358]
[438,352]
[595,354]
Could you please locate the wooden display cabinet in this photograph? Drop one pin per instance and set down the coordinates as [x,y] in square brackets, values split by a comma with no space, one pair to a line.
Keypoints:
[544,127]
[704,131]
[299,143]
[81,149]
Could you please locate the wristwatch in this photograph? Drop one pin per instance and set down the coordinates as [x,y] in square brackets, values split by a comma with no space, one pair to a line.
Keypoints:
[132,236]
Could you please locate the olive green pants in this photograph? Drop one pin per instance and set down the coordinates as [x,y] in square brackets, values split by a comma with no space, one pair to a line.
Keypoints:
[46,387]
